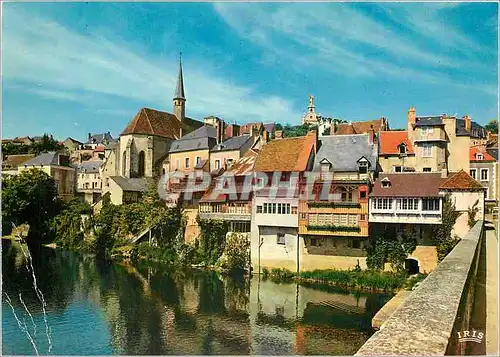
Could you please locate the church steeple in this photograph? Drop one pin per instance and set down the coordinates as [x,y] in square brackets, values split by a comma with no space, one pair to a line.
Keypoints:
[179,98]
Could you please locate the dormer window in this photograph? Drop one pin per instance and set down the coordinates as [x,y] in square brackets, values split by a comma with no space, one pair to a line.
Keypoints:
[363,165]
[386,183]
[479,156]
[325,168]
[402,148]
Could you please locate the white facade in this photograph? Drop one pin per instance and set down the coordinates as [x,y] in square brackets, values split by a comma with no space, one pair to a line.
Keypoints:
[416,210]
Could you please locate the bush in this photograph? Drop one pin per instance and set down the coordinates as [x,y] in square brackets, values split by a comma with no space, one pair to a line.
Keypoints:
[236,252]
[212,239]
[265,272]
[281,274]
[365,279]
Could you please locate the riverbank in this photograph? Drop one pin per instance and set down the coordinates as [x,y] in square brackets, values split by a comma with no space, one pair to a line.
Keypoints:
[366,280]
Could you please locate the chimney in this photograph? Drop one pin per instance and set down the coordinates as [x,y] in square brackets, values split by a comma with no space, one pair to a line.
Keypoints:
[468,122]
[265,136]
[278,134]
[90,136]
[412,117]
[219,128]
[371,132]
[489,136]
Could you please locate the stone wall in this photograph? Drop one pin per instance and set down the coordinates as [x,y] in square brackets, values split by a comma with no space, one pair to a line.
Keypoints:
[430,317]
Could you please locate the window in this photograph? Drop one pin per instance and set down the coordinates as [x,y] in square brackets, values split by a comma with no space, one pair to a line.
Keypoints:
[363,167]
[352,220]
[426,150]
[294,209]
[266,209]
[427,169]
[408,204]
[479,156]
[229,162]
[198,160]
[217,164]
[430,204]
[473,173]
[362,217]
[336,219]
[356,244]
[402,149]
[386,203]
[259,209]
[343,219]
[280,239]
[362,194]
[314,242]
[426,130]
[186,163]
[398,169]
[302,215]
[484,174]
[386,183]
[325,169]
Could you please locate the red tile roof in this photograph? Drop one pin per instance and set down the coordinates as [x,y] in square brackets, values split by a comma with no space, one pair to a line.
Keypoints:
[473,151]
[461,180]
[361,127]
[390,141]
[408,185]
[289,154]
[154,122]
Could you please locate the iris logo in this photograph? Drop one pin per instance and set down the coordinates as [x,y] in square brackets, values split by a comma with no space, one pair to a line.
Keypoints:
[468,336]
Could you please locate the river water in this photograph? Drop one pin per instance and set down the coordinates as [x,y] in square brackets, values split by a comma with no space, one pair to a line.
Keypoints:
[95,307]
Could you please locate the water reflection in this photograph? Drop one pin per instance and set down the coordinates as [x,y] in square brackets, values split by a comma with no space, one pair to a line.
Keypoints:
[98,307]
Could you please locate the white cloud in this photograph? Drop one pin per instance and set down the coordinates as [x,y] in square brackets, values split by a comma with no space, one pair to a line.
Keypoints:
[340,39]
[44,57]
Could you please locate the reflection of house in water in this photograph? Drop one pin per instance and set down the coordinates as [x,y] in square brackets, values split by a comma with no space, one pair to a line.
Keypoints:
[306,320]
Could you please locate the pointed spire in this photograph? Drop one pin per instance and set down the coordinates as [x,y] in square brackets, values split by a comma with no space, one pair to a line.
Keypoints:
[179,89]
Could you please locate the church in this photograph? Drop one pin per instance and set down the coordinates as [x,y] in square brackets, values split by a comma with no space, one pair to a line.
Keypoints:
[133,161]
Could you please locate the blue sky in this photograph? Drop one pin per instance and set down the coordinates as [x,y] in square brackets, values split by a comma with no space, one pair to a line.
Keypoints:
[74,68]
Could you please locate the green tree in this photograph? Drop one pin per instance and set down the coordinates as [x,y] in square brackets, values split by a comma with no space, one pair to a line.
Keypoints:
[236,252]
[30,197]
[68,227]
[492,126]
[212,239]
[441,233]
[471,214]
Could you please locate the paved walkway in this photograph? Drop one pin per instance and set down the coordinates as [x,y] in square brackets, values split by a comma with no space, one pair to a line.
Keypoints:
[492,348]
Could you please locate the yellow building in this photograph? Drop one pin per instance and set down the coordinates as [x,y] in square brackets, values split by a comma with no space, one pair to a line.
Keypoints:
[56,166]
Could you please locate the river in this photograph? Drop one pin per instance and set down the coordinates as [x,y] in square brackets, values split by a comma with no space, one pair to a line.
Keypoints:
[95,307]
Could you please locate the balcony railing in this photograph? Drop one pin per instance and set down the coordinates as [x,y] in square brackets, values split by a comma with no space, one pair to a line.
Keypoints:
[226,209]
[334,204]
[333,228]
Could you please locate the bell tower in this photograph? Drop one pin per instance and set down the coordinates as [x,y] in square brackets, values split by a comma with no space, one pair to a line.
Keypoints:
[179,98]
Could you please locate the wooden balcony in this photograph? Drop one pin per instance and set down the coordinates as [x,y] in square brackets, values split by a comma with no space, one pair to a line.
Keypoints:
[226,212]
[331,230]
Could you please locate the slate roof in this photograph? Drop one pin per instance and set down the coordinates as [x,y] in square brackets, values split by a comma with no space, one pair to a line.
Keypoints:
[360,127]
[131,184]
[89,167]
[473,151]
[477,131]
[73,140]
[154,122]
[408,185]
[289,154]
[13,161]
[269,127]
[429,121]
[493,152]
[234,143]
[48,158]
[461,181]
[99,138]
[204,137]
[343,152]
[112,144]
[390,141]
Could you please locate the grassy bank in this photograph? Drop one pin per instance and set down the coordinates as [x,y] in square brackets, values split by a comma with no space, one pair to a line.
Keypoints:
[353,279]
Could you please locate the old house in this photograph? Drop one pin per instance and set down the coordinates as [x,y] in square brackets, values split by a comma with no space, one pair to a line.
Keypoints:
[465,193]
[396,153]
[484,169]
[333,220]
[71,145]
[12,162]
[280,170]
[224,154]
[56,166]
[95,140]
[413,201]
[88,181]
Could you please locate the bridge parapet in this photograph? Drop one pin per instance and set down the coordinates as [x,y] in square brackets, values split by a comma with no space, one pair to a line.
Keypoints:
[428,321]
